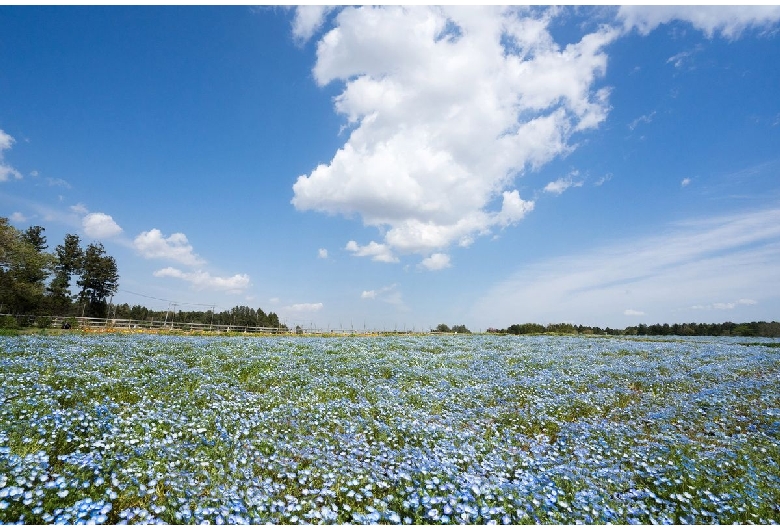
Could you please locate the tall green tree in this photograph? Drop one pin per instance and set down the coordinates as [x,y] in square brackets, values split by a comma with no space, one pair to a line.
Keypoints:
[273,321]
[24,268]
[70,261]
[34,236]
[99,280]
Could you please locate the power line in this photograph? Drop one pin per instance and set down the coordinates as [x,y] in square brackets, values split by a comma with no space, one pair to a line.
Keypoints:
[166,300]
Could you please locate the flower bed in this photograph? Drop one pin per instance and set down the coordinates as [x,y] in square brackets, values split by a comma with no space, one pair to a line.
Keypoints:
[447,429]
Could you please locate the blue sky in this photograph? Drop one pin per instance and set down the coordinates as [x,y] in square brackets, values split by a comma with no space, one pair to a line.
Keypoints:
[402,167]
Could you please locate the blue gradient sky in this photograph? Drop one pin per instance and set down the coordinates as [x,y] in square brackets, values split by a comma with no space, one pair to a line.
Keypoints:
[398,168]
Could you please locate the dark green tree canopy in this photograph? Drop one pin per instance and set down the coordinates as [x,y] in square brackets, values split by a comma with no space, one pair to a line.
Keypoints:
[99,279]
[24,268]
[70,260]
[34,236]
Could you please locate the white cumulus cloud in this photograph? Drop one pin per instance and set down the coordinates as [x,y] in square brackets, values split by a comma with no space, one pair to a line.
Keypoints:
[685,182]
[7,172]
[436,262]
[446,106]
[18,217]
[308,20]
[203,280]
[99,225]
[153,244]
[374,250]
[322,253]
[729,21]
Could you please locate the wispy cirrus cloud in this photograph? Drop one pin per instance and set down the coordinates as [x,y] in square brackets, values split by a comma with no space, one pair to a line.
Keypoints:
[306,307]
[564,183]
[79,209]
[201,280]
[725,305]
[679,60]
[602,180]
[389,294]
[728,21]
[58,183]
[645,118]
[729,257]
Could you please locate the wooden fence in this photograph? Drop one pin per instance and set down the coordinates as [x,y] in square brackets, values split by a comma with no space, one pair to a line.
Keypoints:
[129,324]
[119,324]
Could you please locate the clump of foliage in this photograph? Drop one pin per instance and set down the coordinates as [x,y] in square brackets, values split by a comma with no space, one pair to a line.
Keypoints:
[43,322]
[459,328]
[8,322]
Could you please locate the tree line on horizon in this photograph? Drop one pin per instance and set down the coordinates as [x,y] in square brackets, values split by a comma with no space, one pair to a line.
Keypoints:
[36,282]
[75,281]
[745,329]
[241,316]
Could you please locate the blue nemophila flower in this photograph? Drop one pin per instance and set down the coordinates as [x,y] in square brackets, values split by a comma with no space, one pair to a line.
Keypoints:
[489,428]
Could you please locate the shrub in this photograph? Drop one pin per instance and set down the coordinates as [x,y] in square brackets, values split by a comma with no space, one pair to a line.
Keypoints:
[43,322]
[8,322]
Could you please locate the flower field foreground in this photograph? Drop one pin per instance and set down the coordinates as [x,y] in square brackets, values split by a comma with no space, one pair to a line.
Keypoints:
[447,429]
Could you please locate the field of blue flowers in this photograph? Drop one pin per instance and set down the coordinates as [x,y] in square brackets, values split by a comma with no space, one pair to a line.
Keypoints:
[446,429]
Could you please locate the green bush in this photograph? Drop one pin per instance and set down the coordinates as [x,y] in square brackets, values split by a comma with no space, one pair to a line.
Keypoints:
[8,322]
[43,322]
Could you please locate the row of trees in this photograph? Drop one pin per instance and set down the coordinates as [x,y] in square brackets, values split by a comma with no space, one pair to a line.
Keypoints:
[36,282]
[459,328]
[747,329]
[238,316]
